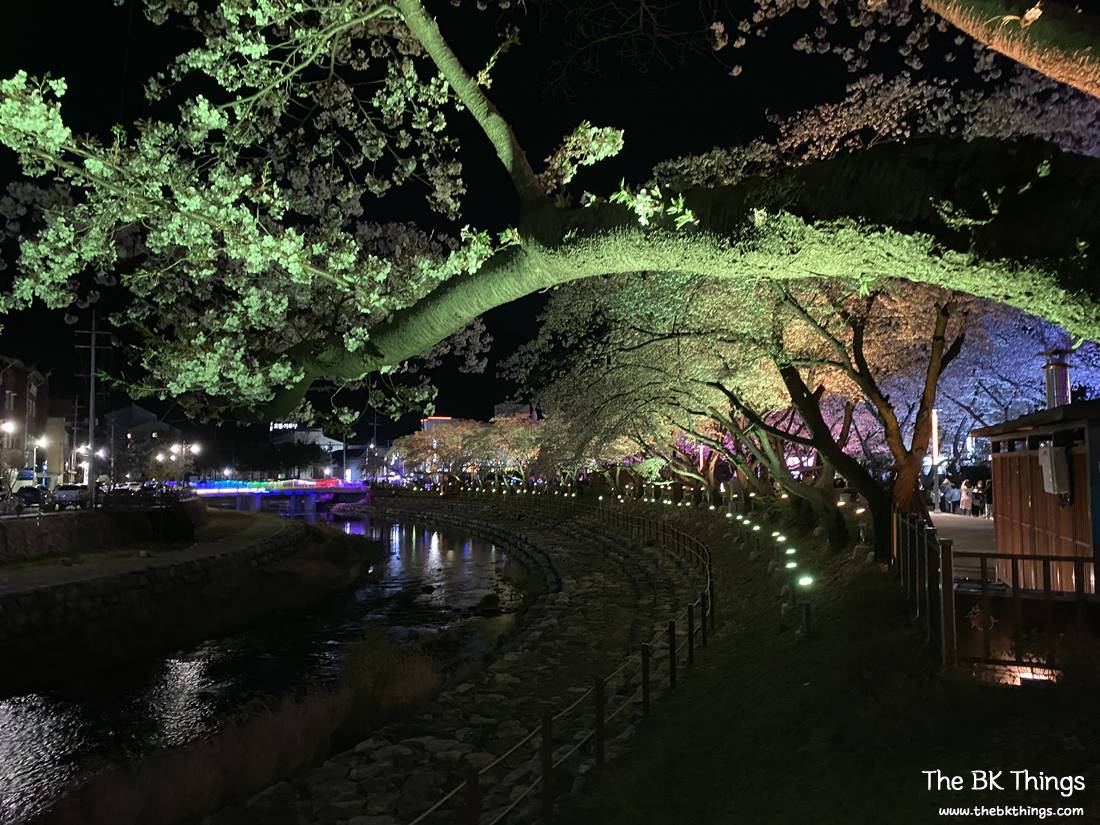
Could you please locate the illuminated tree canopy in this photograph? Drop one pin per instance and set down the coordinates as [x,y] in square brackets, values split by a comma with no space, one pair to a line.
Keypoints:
[1055,38]
[249,227]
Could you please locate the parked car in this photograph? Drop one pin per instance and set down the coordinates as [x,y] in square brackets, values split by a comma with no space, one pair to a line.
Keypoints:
[36,496]
[71,495]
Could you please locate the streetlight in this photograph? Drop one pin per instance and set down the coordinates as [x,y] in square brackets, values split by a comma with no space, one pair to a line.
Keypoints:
[41,441]
[935,460]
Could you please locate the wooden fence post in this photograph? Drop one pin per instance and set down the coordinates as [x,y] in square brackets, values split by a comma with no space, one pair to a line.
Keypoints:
[703,608]
[691,633]
[710,595]
[548,767]
[931,586]
[672,653]
[601,705]
[472,797]
[947,600]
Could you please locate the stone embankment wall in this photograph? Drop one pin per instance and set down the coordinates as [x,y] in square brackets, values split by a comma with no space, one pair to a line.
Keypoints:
[85,531]
[51,607]
[609,594]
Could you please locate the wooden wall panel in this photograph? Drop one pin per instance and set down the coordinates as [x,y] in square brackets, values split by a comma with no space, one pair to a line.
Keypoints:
[1030,521]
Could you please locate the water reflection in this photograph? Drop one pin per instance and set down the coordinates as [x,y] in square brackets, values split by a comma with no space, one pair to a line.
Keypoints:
[52,739]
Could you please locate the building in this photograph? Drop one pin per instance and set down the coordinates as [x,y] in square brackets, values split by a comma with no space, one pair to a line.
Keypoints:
[290,432]
[1046,488]
[53,457]
[134,434]
[433,421]
[25,400]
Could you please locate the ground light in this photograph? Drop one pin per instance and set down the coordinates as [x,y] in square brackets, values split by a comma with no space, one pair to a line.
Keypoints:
[805,581]
[790,551]
[791,565]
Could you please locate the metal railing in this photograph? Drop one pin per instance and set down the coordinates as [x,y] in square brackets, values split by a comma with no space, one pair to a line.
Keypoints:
[923,564]
[926,568]
[588,717]
[1057,603]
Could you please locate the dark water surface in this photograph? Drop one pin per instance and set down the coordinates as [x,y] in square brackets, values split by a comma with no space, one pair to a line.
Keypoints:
[52,739]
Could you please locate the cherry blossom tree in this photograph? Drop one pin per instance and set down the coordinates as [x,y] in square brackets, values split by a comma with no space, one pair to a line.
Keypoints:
[248,234]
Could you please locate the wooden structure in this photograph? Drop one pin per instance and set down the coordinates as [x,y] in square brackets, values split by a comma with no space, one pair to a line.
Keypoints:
[1058,532]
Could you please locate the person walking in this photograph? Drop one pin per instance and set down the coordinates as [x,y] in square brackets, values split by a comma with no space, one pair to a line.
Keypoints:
[989,499]
[978,508]
[945,495]
[966,497]
[953,496]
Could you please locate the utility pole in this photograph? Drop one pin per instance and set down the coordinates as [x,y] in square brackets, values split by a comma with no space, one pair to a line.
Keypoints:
[92,346]
[91,415]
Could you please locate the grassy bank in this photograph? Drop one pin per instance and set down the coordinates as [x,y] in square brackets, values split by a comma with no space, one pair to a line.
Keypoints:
[325,562]
[837,727]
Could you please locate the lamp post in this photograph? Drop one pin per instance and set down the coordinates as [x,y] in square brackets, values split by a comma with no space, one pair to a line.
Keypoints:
[38,442]
[179,452]
[935,460]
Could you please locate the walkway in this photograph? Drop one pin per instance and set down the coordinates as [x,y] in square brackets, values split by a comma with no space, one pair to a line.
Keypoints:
[968,534]
[227,532]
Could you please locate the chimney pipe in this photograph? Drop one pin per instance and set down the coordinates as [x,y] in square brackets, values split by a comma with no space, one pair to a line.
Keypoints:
[1056,375]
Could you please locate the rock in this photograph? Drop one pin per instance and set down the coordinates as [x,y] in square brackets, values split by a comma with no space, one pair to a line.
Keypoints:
[510,730]
[366,772]
[394,753]
[428,588]
[400,633]
[479,759]
[489,602]
[410,806]
[340,790]
[276,797]
[421,784]
[369,745]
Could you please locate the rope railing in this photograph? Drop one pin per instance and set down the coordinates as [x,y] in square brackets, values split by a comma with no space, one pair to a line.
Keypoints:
[672,541]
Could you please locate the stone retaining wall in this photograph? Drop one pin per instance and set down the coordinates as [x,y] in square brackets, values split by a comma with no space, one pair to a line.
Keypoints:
[86,531]
[51,607]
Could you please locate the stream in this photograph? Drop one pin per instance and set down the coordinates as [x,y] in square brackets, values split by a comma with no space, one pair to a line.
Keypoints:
[52,740]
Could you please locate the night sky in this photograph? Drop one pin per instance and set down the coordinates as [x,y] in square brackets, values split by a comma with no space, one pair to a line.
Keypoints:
[106,52]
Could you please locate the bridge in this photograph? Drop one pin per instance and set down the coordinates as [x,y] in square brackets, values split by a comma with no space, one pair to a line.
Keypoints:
[293,495]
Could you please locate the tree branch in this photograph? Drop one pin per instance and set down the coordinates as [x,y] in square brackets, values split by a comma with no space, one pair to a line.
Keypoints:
[465,87]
